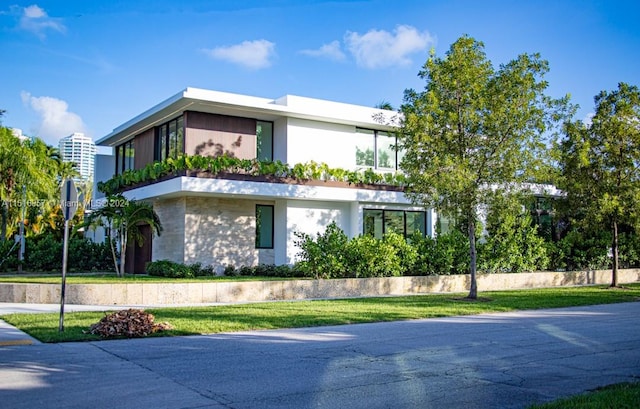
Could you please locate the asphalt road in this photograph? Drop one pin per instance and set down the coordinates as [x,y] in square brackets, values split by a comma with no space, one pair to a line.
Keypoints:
[488,361]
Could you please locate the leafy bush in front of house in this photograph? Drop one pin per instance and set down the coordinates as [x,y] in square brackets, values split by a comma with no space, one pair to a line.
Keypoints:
[171,269]
[44,253]
[366,256]
[581,250]
[629,250]
[445,254]
[512,244]
[263,270]
[9,255]
[324,256]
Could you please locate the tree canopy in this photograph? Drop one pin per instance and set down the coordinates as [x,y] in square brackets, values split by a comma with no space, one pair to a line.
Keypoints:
[475,128]
[600,164]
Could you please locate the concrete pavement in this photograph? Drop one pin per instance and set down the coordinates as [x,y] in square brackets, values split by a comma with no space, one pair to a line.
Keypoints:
[507,360]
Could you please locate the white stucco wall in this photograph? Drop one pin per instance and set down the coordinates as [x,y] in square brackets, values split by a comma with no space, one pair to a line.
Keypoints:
[312,217]
[320,142]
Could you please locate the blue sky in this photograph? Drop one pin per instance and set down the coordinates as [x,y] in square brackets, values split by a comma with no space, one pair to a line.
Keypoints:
[88,66]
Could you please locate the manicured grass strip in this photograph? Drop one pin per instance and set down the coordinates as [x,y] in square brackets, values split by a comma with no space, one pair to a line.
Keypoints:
[618,396]
[128,279]
[240,317]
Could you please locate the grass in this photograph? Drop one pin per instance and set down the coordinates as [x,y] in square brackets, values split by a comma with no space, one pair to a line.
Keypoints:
[618,396]
[273,315]
[84,278]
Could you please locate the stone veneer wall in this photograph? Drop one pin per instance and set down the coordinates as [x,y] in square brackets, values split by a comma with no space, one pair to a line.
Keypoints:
[220,232]
[150,294]
[209,230]
[170,244]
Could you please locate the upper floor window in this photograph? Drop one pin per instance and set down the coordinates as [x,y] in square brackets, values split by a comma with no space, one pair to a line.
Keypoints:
[377,149]
[264,140]
[170,139]
[125,156]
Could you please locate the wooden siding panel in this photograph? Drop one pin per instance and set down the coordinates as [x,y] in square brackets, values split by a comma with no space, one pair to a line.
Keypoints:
[214,135]
[144,148]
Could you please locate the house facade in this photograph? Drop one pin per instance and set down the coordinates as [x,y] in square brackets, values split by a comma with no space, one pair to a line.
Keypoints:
[235,221]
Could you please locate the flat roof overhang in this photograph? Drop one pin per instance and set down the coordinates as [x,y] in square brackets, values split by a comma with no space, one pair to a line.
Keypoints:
[215,102]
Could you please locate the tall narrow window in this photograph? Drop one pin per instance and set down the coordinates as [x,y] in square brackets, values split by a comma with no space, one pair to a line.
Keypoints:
[170,139]
[264,226]
[125,157]
[365,147]
[386,150]
[373,223]
[264,135]
[416,222]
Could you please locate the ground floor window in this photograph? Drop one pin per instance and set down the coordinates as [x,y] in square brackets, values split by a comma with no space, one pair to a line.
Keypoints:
[377,222]
[264,226]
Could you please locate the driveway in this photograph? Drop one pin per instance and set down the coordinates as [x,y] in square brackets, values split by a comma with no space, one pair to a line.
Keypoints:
[505,360]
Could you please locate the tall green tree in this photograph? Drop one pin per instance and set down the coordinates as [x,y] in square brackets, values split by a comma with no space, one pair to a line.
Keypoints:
[600,164]
[123,219]
[473,128]
[27,177]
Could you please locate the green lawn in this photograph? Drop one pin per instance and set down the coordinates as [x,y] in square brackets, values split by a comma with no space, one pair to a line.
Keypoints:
[84,278]
[271,315]
[619,396]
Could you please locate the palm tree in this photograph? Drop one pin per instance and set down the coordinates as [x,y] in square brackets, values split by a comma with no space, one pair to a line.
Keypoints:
[124,217]
[26,174]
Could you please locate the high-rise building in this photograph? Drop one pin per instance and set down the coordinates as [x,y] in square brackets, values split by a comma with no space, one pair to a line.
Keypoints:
[81,150]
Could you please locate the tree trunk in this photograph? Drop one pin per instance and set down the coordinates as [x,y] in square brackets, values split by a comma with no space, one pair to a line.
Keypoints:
[614,253]
[123,251]
[473,291]
[3,228]
[113,250]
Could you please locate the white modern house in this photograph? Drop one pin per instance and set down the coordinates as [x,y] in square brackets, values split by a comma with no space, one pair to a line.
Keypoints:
[220,221]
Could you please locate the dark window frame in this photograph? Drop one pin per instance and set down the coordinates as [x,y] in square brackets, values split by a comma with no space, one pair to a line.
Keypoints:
[168,144]
[404,221]
[385,134]
[259,221]
[123,161]
[258,144]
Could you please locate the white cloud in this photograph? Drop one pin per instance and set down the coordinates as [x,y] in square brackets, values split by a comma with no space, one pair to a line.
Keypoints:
[251,54]
[381,49]
[588,118]
[34,19]
[330,51]
[55,119]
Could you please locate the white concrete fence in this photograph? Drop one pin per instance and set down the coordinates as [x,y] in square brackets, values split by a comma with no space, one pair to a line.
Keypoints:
[251,291]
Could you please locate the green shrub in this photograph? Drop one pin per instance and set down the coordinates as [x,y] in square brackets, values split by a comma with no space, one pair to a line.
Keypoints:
[629,250]
[579,250]
[512,244]
[445,254]
[367,256]
[170,269]
[44,254]
[323,257]
[407,253]
[263,270]
[9,255]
